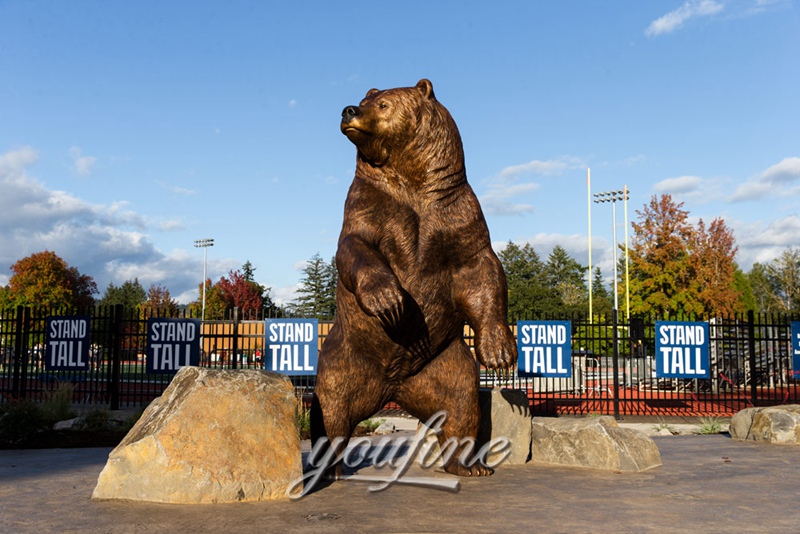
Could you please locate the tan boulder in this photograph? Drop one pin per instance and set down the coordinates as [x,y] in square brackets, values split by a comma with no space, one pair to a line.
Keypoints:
[595,442]
[213,436]
[773,424]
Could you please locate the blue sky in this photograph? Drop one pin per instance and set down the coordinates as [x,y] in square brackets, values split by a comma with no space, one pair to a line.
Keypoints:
[130,129]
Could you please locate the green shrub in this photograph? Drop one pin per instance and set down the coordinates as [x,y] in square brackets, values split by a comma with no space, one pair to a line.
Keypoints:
[710,425]
[20,421]
[57,405]
[96,420]
[371,424]
[303,420]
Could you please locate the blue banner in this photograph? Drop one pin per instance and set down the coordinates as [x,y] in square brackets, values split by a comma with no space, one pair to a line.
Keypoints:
[544,348]
[172,344]
[796,349]
[291,346]
[67,343]
[682,350]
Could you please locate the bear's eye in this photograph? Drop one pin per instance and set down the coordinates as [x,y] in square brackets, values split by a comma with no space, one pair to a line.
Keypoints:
[383,105]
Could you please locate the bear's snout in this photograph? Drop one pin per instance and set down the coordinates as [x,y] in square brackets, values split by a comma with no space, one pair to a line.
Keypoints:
[350,112]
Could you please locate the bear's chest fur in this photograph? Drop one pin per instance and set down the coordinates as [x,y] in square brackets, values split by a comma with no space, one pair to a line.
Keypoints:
[423,238]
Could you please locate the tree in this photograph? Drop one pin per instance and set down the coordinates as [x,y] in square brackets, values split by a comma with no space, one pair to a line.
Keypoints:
[130,294]
[317,292]
[44,279]
[528,292]
[661,281]
[712,263]
[238,290]
[776,285]
[764,290]
[743,288]
[566,277]
[601,297]
[159,302]
[677,268]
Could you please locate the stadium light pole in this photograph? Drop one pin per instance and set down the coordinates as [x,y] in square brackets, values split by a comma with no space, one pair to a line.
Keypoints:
[613,197]
[204,244]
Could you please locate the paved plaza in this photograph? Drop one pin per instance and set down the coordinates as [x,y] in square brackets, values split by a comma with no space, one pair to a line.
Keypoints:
[707,484]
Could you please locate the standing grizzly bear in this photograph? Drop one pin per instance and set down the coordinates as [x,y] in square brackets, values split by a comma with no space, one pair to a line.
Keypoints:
[415,263]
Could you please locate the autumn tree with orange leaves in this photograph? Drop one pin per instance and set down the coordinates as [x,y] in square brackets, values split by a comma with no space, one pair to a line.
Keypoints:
[45,280]
[676,268]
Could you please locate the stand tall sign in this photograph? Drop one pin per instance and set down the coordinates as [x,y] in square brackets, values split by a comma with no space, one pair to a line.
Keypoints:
[682,349]
[291,346]
[67,343]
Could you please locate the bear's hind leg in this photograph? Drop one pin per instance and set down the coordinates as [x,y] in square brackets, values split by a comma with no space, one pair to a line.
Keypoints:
[341,402]
[449,384]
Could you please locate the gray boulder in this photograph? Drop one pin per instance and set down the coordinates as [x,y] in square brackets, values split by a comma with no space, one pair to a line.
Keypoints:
[773,424]
[595,442]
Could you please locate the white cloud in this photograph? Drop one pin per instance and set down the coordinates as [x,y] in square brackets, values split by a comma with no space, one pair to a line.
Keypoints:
[552,167]
[762,242]
[677,18]
[681,184]
[181,191]
[107,242]
[292,103]
[505,187]
[773,181]
[284,295]
[82,165]
[498,199]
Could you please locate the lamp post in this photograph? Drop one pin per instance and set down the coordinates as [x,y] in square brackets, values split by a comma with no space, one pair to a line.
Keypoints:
[613,197]
[204,244]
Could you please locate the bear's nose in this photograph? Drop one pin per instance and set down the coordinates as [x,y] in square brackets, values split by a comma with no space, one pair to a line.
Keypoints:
[349,112]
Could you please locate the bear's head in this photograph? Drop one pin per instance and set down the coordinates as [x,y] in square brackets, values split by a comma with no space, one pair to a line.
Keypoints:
[406,123]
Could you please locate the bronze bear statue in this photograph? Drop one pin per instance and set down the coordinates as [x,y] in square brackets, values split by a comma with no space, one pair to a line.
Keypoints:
[415,264]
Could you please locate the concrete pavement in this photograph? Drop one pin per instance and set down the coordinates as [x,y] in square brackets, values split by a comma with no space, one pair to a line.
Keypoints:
[707,484]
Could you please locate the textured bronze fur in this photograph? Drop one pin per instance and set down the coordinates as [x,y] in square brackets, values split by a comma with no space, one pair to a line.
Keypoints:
[415,262]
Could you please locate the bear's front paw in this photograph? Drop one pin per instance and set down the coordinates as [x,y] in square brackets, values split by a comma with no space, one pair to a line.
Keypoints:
[382,299]
[496,348]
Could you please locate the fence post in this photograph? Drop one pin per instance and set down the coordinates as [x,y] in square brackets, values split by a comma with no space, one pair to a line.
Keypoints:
[615,361]
[235,341]
[751,348]
[19,347]
[116,356]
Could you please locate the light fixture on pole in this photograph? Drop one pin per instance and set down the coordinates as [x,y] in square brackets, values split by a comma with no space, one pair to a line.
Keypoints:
[613,197]
[204,244]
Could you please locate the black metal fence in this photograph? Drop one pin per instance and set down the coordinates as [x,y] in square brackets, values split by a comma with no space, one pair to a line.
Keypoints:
[613,363]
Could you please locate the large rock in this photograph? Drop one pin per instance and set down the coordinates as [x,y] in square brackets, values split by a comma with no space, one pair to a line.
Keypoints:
[596,442]
[213,436]
[505,414]
[774,424]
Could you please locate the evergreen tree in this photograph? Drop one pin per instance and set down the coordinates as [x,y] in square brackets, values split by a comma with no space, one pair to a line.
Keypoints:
[316,295]
[601,296]
[566,277]
[528,292]
[130,294]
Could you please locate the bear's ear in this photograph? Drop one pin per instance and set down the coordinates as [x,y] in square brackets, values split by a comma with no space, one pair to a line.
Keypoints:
[372,91]
[426,88]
